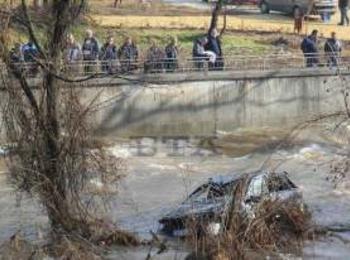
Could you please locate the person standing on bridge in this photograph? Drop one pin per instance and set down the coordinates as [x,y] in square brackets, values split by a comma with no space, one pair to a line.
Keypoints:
[310,49]
[332,48]
[128,55]
[214,45]
[154,59]
[108,56]
[200,55]
[72,55]
[343,7]
[172,53]
[90,51]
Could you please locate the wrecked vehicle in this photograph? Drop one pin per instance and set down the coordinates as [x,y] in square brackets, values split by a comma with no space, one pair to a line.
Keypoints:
[209,203]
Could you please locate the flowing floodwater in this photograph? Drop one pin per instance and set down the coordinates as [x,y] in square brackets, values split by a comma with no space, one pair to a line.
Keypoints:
[162,171]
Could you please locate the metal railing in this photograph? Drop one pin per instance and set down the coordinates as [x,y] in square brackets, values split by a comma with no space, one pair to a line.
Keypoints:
[231,63]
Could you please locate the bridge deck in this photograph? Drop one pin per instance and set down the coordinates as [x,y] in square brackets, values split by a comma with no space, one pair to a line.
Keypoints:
[235,68]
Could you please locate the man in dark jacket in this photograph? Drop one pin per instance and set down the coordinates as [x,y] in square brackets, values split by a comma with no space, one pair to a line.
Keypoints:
[310,49]
[128,55]
[90,51]
[343,7]
[332,48]
[214,45]
[108,56]
[154,59]
[171,53]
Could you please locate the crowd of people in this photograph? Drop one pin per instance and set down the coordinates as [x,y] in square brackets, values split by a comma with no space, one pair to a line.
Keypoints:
[332,49]
[113,59]
[89,54]
[108,58]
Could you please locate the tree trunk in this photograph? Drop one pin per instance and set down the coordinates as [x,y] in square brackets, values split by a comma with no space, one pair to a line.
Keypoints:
[51,165]
[215,15]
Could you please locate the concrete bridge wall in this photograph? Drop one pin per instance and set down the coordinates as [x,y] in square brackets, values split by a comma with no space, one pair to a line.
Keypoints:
[200,104]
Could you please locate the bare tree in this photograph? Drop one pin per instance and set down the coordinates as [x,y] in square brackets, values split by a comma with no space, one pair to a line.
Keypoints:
[218,9]
[55,156]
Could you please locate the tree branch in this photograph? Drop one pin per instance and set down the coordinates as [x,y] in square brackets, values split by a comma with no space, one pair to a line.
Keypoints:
[224,25]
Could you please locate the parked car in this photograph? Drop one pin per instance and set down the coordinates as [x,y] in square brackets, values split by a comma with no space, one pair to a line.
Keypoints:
[237,2]
[243,2]
[294,6]
[209,203]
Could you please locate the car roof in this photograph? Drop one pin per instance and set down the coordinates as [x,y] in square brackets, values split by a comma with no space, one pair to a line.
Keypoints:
[222,180]
[233,177]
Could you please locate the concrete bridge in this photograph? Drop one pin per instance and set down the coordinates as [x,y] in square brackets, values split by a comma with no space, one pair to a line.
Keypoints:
[195,103]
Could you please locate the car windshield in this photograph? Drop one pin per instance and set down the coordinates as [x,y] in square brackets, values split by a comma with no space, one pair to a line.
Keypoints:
[210,191]
[215,191]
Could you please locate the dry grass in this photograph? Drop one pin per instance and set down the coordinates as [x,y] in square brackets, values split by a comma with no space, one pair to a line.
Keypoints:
[132,14]
[244,23]
[264,234]
[275,228]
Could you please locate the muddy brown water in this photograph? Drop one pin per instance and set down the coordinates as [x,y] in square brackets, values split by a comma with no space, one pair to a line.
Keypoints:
[163,171]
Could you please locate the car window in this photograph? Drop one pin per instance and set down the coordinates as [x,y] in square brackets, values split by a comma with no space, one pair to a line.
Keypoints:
[257,187]
[200,193]
[215,191]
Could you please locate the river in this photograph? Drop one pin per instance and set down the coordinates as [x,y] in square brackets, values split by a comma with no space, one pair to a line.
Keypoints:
[162,171]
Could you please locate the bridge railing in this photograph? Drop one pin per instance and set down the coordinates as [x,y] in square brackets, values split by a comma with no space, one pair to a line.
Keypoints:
[232,63]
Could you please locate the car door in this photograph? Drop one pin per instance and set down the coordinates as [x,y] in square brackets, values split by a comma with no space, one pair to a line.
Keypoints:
[278,5]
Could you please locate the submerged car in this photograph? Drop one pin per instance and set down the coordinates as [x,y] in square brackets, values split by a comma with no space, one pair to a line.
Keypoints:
[294,7]
[209,203]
